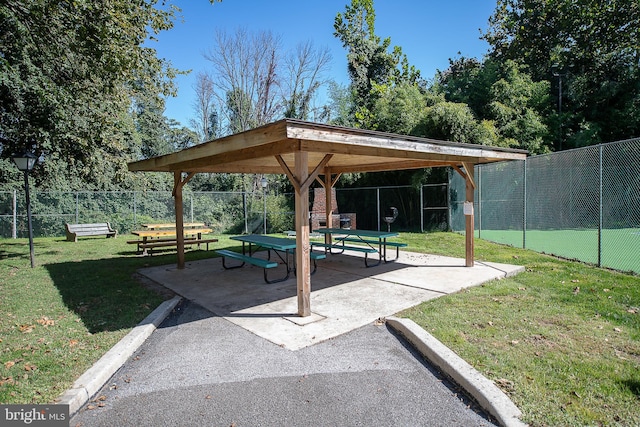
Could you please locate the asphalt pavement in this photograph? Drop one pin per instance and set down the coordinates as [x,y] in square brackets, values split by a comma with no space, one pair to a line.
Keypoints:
[200,369]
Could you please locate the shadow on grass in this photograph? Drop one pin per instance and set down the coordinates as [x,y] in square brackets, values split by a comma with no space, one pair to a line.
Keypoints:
[633,385]
[107,294]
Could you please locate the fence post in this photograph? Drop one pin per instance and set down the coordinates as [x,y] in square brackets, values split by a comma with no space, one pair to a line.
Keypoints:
[479,183]
[135,210]
[244,204]
[524,205]
[421,208]
[378,205]
[77,222]
[14,231]
[191,199]
[599,205]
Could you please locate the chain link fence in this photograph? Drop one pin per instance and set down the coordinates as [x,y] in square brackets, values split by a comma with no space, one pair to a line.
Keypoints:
[419,209]
[579,204]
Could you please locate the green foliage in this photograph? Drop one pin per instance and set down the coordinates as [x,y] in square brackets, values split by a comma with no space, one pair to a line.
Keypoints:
[592,47]
[69,75]
[372,67]
[449,121]
[511,107]
[399,110]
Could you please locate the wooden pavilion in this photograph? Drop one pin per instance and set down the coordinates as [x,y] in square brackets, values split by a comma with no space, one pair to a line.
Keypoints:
[307,152]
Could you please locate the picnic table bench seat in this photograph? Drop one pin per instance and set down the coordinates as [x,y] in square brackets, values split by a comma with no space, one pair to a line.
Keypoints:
[82,230]
[259,262]
[373,242]
[164,243]
[364,249]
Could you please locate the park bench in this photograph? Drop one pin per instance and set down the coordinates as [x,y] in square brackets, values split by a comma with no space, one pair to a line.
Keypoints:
[82,230]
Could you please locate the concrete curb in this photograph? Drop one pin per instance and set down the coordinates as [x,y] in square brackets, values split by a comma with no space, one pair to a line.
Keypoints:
[95,377]
[484,391]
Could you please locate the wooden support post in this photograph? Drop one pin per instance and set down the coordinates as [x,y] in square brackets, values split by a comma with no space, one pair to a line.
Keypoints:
[177,195]
[303,275]
[469,216]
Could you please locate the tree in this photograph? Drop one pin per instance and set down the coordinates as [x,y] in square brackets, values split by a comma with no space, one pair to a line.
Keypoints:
[245,78]
[372,67]
[592,45]
[511,107]
[206,121]
[305,70]
[67,73]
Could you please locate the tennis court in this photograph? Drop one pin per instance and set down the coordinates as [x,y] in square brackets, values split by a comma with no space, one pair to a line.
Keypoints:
[619,248]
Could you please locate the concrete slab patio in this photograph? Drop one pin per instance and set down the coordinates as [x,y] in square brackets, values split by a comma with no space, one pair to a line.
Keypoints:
[345,295]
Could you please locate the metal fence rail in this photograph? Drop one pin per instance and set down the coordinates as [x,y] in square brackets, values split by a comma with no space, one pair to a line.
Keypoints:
[225,212]
[580,204]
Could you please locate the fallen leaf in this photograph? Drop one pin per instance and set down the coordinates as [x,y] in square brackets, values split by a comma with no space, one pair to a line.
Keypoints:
[45,321]
[25,329]
[617,329]
[73,343]
[29,367]
[515,342]
[505,384]
[7,380]
[605,290]
[9,364]
[631,310]
[576,290]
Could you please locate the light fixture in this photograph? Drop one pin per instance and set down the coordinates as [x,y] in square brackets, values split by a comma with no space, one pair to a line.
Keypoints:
[25,162]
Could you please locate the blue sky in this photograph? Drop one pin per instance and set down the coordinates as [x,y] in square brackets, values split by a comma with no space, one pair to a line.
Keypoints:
[429,32]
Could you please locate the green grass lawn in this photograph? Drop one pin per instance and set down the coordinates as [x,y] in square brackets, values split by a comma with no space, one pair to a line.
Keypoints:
[561,339]
[60,317]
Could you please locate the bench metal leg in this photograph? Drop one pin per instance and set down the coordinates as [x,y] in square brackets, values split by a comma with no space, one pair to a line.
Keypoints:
[232,267]
[286,264]
[266,279]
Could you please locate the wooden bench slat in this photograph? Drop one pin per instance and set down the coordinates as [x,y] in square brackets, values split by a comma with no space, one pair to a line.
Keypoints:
[82,230]
[159,244]
[245,258]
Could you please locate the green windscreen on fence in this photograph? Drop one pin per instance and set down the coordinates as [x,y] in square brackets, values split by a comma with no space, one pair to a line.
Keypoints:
[579,204]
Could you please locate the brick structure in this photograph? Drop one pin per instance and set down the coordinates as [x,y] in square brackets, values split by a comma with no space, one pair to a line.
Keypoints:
[318,211]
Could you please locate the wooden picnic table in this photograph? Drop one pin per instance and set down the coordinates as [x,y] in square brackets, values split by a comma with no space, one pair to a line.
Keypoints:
[167,237]
[367,241]
[171,225]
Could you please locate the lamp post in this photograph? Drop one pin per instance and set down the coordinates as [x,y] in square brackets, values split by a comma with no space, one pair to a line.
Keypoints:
[25,162]
[263,182]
